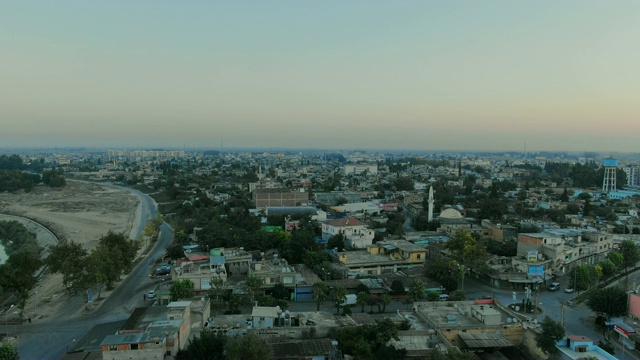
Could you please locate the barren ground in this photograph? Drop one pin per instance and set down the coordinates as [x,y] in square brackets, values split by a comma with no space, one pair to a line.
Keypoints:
[79,212]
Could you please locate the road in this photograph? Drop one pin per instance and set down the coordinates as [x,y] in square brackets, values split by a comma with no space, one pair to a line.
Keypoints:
[52,337]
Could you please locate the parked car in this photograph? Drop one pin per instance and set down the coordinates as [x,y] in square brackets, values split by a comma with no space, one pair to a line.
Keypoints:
[554,286]
[151,294]
[568,290]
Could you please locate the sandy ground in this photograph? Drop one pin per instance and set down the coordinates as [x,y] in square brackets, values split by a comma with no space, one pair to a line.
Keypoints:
[80,212]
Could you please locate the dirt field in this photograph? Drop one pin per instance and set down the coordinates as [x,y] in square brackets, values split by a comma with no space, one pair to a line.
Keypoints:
[80,212]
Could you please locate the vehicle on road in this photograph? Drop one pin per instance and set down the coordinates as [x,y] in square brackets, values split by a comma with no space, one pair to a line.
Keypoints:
[151,294]
[568,290]
[554,286]
[349,300]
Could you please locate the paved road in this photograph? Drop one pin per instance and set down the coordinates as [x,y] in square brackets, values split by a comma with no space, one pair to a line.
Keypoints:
[51,338]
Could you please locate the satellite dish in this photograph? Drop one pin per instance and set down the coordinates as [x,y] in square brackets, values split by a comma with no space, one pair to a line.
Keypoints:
[509,320]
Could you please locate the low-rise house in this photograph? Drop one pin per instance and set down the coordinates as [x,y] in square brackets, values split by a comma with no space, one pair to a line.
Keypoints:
[382,257]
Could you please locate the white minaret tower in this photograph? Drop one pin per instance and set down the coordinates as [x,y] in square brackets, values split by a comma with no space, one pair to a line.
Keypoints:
[430,218]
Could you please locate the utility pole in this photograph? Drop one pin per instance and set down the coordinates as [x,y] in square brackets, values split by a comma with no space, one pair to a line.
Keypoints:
[535,308]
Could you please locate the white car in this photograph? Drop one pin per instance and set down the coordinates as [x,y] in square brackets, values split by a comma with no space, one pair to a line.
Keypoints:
[151,294]
[568,290]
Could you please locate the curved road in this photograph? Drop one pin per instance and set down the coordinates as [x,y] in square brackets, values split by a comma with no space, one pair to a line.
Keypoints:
[51,338]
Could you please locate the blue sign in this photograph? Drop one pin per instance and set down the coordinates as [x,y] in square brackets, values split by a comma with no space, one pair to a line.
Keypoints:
[89,297]
[536,270]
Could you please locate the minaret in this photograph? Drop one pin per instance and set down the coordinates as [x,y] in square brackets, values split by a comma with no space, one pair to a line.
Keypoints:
[430,218]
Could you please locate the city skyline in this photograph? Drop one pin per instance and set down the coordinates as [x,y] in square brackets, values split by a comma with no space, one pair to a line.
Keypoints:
[414,75]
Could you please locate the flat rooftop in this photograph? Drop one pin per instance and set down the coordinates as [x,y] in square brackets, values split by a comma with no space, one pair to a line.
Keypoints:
[450,314]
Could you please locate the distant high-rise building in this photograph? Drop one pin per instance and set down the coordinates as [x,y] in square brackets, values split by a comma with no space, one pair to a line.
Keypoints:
[633,175]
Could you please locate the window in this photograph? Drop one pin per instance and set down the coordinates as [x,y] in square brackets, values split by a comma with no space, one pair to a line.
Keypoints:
[134,346]
[419,256]
[113,347]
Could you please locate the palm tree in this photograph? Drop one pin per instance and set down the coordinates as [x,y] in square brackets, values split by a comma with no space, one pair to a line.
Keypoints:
[416,290]
[320,293]
[362,299]
[384,300]
[339,297]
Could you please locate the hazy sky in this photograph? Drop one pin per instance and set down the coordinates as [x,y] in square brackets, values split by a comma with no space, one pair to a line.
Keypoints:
[487,75]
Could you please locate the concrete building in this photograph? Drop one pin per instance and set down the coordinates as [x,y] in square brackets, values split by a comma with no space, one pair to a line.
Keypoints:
[279,197]
[633,175]
[276,271]
[576,347]
[382,257]
[371,169]
[565,248]
[344,226]
[264,317]
[332,198]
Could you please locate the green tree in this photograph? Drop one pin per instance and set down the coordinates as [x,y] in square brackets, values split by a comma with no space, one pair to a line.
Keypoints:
[17,275]
[248,347]
[583,277]
[611,301]
[280,292]
[112,257]
[630,256]
[416,290]
[608,268]
[403,183]
[362,299]
[8,352]
[253,287]
[320,293]
[565,195]
[339,296]
[616,258]
[397,287]
[551,333]
[336,241]
[383,300]
[182,289]
[433,296]
[206,346]
[445,271]
[466,249]
[70,260]
[217,293]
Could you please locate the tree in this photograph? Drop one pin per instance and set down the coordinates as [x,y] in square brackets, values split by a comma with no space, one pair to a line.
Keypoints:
[320,293]
[583,277]
[18,274]
[280,292]
[416,290]
[208,345]
[248,347]
[336,241]
[70,260]
[445,271]
[616,258]
[565,195]
[217,292]
[181,289]
[630,256]
[466,249]
[112,257]
[8,351]
[383,300]
[611,301]
[608,268]
[362,299]
[253,287]
[339,295]
[397,287]
[551,333]
[403,183]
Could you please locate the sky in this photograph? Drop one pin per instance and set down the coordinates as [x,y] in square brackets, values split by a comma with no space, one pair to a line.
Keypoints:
[423,75]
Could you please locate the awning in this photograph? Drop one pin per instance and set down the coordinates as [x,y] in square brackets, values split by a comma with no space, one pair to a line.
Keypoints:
[526,281]
[389,247]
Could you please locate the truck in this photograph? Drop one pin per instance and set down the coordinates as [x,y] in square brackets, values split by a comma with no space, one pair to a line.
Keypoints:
[349,300]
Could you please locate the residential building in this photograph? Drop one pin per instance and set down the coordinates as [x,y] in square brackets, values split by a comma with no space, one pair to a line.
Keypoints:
[344,226]
[371,169]
[382,257]
[265,317]
[333,197]
[279,197]
[276,271]
[576,347]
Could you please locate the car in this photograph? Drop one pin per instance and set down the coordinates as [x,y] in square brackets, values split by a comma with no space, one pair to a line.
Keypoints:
[487,297]
[568,290]
[151,294]
[554,286]
[162,272]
